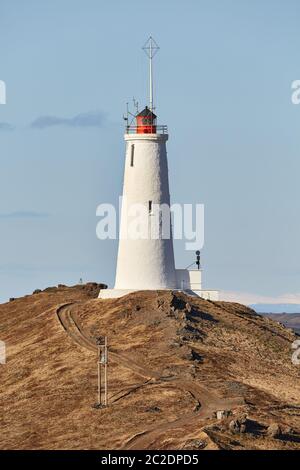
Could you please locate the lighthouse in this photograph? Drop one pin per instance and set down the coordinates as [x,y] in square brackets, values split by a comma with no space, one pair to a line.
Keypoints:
[146,262]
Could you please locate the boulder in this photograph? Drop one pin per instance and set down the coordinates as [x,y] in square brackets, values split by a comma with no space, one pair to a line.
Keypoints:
[239,425]
[274,430]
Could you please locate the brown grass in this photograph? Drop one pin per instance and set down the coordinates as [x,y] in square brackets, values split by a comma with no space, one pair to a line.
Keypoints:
[174,361]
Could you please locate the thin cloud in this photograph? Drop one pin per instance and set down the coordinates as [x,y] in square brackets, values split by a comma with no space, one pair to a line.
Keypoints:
[89,119]
[250,299]
[5,126]
[276,308]
[24,215]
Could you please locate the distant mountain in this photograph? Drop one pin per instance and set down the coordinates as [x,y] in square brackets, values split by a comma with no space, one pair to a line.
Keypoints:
[287,314]
[290,320]
[276,308]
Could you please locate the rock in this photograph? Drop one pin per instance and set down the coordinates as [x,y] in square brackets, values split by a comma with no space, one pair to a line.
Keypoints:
[183,316]
[188,307]
[37,291]
[234,426]
[173,312]
[274,430]
[50,289]
[195,444]
[194,356]
[189,333]
[287,430]
[223,414]
[238,426]
[243,428]
[197,407]
[154,409]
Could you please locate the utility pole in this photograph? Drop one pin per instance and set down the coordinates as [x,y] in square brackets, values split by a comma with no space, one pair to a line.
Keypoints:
[102,359]
[99,374]
[105,371]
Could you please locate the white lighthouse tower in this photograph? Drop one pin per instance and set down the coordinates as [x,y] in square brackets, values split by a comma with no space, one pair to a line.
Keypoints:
[146,262]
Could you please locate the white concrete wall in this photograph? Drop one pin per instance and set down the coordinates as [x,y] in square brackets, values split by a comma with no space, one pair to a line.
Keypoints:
[208,294]
[189,279]
[116,293]
[145,264]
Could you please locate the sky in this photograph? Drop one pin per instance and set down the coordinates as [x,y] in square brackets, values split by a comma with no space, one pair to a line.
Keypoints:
[223,79]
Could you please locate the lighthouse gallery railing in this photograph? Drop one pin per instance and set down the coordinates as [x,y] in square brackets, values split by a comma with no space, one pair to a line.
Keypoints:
[161,129]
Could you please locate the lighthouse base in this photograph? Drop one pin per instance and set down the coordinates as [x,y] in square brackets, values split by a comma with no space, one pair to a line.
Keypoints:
[117,293]
[187,280]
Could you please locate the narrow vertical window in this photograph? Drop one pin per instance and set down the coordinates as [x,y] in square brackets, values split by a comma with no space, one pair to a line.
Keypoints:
[132,155]
[150,206]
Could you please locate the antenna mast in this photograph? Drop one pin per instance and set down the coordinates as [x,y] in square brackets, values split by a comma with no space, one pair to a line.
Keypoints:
[151,48]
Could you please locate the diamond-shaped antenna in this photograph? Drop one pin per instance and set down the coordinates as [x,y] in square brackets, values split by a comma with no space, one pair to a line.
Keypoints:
[151,48]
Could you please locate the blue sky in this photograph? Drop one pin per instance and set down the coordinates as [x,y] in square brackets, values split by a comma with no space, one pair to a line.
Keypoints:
[223,86]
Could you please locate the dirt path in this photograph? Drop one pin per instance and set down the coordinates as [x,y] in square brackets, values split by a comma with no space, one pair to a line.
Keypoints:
[209,401]
[69,322]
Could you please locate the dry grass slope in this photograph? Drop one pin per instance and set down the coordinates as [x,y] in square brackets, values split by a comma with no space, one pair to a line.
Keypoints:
[174,361]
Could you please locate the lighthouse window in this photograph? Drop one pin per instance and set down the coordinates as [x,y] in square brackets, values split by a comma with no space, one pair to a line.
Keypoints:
[132,155]
[150,207]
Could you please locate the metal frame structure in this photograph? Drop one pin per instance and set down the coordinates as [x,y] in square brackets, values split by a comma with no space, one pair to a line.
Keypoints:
[150,48]
[161,129]
[102,361]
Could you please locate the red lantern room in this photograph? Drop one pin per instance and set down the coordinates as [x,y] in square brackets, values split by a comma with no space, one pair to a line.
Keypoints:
[146,122]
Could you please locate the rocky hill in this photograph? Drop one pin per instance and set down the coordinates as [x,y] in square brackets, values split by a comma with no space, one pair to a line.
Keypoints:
[184,373]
